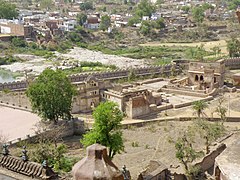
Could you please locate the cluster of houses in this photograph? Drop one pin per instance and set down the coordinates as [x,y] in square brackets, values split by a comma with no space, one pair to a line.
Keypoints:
[31,23]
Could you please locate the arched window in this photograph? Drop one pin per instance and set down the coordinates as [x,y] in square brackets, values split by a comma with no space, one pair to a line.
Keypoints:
[196,77]
[201,78]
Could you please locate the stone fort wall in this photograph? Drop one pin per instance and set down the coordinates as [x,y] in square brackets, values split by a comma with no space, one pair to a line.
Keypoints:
[233,63]
[109,75]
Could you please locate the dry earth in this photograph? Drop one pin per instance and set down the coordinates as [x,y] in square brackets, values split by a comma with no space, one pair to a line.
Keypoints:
[222,44]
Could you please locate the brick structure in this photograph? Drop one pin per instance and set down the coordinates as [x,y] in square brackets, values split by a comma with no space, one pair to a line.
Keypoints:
[96,165]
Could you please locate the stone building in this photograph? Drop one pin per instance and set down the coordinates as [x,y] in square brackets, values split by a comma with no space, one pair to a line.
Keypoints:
[206,76]
[88,95]
[133,101]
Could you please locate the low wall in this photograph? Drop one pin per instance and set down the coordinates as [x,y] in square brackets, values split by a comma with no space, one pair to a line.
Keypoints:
[70,128]
[182,92]
[145,123]
[190,103]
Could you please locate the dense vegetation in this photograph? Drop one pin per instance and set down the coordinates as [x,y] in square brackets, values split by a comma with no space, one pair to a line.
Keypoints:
[7,10]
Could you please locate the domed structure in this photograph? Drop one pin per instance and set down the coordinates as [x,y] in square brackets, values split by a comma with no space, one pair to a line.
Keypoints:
[97,165]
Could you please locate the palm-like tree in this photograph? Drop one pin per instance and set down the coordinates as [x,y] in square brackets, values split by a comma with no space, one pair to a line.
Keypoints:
[199,106]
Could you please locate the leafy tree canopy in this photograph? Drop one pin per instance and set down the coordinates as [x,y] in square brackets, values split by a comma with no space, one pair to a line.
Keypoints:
[105,22]
[86,6]
[233,4]
[199,107]
[106,128]
[18,42]
[198,14]
[7,10]
[51,95]
[145,8]
[233,47]
[81,18]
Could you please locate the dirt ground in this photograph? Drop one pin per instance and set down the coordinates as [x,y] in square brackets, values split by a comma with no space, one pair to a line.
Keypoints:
[152,142]
[222,44]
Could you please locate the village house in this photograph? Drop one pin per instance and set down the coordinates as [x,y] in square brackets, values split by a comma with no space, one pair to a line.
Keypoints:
[92,22]
[16,28]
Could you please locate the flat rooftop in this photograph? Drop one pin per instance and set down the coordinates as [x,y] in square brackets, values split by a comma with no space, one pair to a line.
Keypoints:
[229,161]
[155,85]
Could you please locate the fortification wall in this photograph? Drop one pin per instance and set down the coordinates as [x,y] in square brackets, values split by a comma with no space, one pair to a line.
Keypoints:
[232,63]
[109,75]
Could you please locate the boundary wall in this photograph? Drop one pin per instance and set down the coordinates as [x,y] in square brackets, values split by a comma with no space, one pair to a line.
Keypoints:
[109,75]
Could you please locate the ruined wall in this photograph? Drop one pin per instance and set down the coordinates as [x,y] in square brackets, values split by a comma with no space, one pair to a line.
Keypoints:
[137,106]
[208,161]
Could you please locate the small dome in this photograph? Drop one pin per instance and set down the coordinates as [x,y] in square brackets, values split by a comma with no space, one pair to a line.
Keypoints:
[97,165]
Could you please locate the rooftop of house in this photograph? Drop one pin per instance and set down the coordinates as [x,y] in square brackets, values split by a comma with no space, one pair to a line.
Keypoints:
[229,161]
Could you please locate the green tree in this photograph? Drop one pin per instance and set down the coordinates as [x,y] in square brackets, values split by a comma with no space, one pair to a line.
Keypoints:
[46,4]
[159,24]
[146,27]
[145,8]
[209,132]
[207,6]
[81,18]
[17,42]
[134,20]
[200,52]
[233,47]
[198,14]
[233,4]
[105,22]
[199,107]
[86,6]
[186,9]
[51,95]
[216,50]
[221,110]
[106,128]
[185,152]
[7,10]
[131,75]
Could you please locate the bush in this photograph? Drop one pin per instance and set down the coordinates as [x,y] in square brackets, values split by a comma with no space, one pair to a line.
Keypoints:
[8,60]
[18,42]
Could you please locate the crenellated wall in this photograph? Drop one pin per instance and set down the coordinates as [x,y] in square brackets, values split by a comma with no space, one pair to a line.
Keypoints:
[109,75]
[233,63]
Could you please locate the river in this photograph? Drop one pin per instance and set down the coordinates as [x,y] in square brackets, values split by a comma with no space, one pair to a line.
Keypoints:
[6,76]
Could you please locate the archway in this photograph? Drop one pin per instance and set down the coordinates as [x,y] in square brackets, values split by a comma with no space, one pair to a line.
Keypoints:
[196,77]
